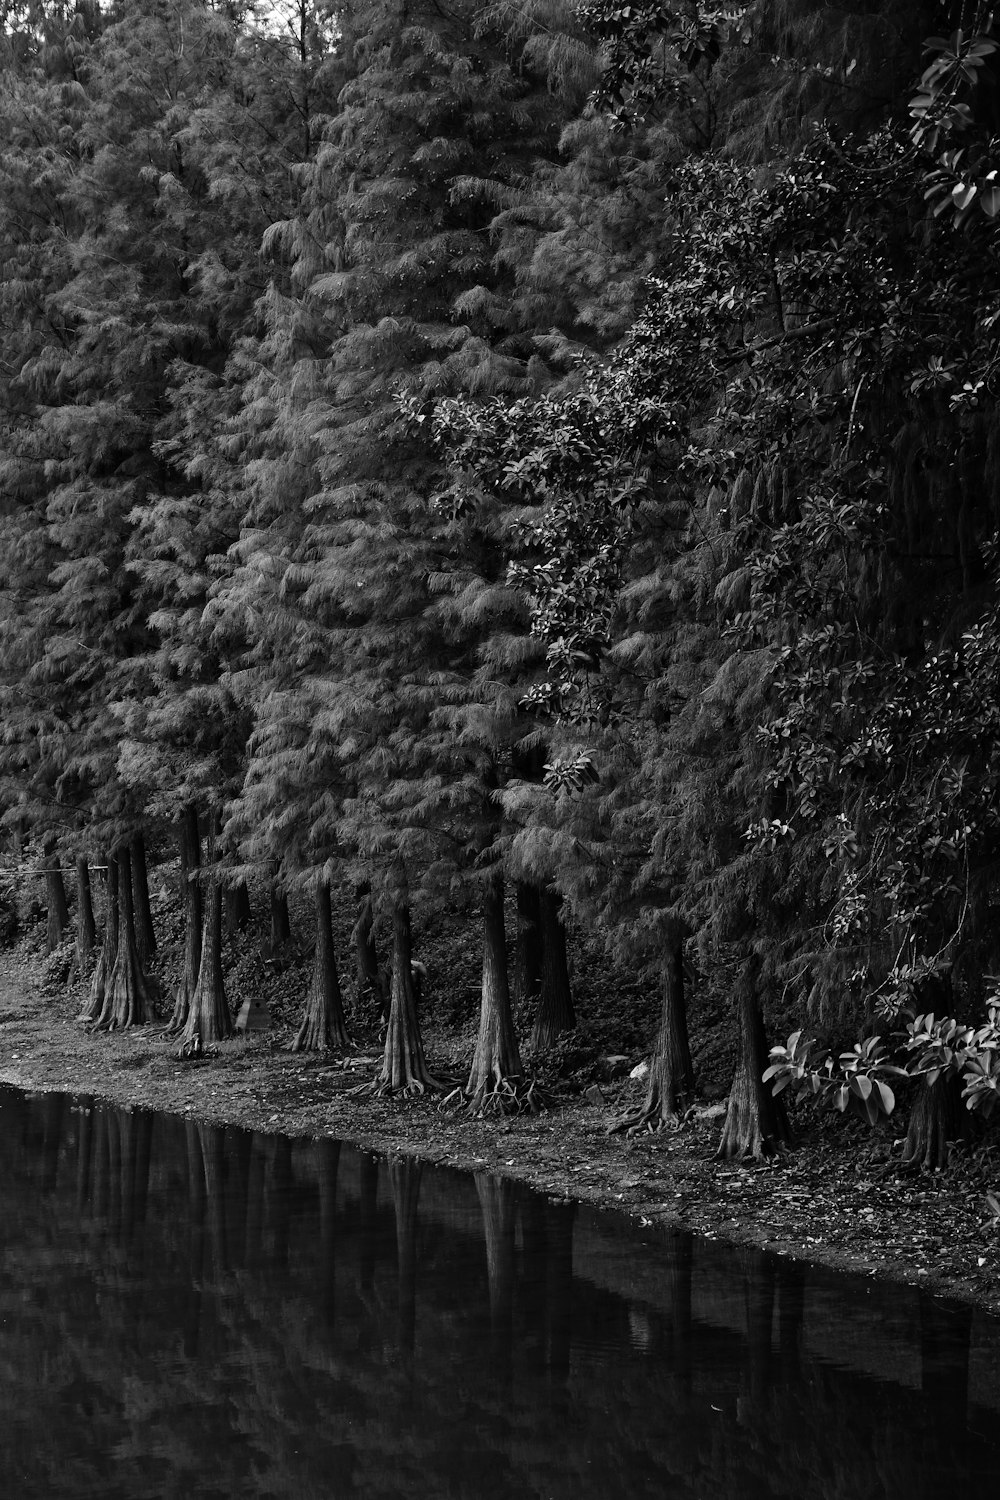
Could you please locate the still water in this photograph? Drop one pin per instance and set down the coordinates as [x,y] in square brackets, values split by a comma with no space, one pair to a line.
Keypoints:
[208,1314]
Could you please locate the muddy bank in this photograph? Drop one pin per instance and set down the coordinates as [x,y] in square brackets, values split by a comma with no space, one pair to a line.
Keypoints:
[839,1199]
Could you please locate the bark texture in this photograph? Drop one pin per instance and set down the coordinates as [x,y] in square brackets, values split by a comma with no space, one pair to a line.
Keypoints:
[323,1027]
[208,1017]
[496,1071]
[239,913]
[671,1072]
[756,1122]
[527,945]
[189,840]
[56,902]
[371,983]
[937,1118]
[86,927]
[109,947]
[126,997]
[404,1067]
[281,925]
[554,1014]
[145,932]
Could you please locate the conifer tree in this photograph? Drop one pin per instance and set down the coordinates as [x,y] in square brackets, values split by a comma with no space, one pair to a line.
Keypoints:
[209,1019]
[323,1026]
[348,554]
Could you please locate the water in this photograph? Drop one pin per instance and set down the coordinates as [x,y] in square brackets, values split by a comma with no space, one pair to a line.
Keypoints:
[207,1314]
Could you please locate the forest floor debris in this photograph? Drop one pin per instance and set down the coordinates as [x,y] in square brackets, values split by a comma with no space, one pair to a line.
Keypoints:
[840,1198]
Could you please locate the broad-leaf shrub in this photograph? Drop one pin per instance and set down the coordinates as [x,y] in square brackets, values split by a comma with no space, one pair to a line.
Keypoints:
[928,1049]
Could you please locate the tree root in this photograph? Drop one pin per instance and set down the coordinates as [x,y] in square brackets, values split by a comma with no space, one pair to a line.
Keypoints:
[649,1121]
[313,1038]
[412,1088]
[192,1050]
[504,1096]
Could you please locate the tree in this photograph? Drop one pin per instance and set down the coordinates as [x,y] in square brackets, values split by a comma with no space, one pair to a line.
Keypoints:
[323,1025]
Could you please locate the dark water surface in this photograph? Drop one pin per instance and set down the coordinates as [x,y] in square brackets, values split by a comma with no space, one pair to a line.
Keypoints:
[194,1312]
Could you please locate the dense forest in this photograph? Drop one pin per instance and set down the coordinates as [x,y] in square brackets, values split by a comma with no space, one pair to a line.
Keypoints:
[534,461]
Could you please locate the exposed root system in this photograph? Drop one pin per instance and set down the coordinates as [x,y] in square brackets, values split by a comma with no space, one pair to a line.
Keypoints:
[649,1120]
[503,1096]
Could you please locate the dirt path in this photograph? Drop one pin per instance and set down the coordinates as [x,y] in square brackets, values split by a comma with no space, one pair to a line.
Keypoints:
[839,1202]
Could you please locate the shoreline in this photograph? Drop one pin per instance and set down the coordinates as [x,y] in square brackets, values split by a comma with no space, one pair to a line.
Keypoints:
[837,1203]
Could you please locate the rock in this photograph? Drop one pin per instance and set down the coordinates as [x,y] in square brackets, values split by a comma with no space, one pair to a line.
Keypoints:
[613,1067]
[593,1095]
[712,1111]
[640,1071]
[254,1016]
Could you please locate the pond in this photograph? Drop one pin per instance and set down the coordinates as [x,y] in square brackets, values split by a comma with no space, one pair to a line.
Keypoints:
[193,1312]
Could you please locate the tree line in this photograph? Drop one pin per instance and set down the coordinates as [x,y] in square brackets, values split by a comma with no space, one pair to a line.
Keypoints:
[452,448]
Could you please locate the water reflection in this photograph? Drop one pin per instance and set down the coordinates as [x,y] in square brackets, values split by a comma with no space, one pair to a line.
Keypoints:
[195,1312]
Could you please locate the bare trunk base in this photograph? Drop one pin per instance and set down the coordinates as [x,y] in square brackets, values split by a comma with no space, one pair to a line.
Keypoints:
[554,1014]
[756,1122]
[189,840]
[127,1000]
[937,1119]
[208,1019]
[404,1066]
[94,1007]
[496,1083]
[323,1028]
[671,1073]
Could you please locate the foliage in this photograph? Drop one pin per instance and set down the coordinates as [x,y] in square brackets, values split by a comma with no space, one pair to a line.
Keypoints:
[929,1048]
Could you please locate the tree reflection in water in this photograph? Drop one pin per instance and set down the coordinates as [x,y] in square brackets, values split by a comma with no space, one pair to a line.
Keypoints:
[196,1312]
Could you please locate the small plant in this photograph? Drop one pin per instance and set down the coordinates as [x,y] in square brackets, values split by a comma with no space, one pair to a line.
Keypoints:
[58,966]
[929,1048]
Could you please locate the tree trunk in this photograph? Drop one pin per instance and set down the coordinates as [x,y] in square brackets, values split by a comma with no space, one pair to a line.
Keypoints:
[323,1024]
[528,945]
[554,1014]
[86,927]
[239,914]
[145,933]
[208,1016]
[496,1062]
[671,1073]
[109,947]
[371,983]
[189,839]
[281,926]
[403,1064]
[126,998]
[55,895]
[756,1121]
[938,1117]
